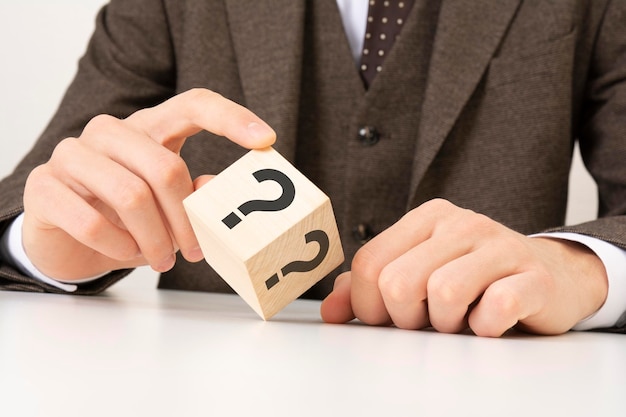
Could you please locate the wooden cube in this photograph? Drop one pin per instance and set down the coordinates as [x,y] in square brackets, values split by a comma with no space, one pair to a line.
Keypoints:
[266,229]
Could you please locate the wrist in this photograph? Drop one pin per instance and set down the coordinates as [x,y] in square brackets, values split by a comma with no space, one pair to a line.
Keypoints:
[63,273]
[596,269]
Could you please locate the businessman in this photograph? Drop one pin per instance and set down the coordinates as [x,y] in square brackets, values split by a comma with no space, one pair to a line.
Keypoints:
[447,160]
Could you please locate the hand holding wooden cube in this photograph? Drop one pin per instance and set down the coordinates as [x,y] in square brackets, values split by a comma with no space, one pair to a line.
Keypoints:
[266,229]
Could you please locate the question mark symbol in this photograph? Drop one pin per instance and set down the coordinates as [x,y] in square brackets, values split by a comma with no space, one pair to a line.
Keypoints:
[318,236]
[282,202]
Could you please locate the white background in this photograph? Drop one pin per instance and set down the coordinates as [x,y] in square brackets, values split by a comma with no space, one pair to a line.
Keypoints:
[41,41]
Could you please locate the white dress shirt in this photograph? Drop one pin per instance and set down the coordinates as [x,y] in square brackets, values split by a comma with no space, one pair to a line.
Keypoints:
[354,18]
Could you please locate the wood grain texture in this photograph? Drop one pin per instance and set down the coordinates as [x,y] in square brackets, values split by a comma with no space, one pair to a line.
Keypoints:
[269,256]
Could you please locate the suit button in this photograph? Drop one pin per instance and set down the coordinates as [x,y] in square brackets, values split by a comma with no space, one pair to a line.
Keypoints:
[368,135]
[362,233]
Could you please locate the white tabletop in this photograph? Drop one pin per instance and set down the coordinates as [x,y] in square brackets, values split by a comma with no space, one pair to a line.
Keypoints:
[135,352]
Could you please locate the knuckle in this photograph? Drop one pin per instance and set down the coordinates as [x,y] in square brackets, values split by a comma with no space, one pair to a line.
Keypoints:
[37,187]
[198,100]
[476,222]
[475,225]
[366,266]
[441,203]
[430,208]
[504,303]
[200,94]
[99,123]
[438,205]
[37,176]
[202,100]
[89,226]
[62,157]
[544,280]
[170,170]
[393,284]
[443,289]
[140,114]
[65,147]
[414,215]
[133,195]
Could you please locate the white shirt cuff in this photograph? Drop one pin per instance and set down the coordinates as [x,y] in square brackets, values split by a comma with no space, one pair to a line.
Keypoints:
[614,259]
[13,250]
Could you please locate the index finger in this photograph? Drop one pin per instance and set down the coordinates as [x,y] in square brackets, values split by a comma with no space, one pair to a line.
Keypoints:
[185,114]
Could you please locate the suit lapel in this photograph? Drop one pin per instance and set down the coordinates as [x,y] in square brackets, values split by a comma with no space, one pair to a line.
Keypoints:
[269,54]
[468,34]
[267,37]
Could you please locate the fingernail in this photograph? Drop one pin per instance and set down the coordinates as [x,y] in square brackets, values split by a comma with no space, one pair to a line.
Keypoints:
[166,264]
[261,132]
[195,254]
[341,281]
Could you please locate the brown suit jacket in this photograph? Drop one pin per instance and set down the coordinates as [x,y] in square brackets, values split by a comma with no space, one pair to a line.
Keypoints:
[510,86]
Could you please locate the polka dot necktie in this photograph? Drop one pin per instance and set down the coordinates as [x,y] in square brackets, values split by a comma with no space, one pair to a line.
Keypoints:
[385,19]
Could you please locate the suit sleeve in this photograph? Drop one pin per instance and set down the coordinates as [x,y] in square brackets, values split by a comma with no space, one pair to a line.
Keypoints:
[128,65]
[602,129]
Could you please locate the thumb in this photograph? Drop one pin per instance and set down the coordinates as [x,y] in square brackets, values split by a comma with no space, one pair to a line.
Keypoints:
[337,308]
